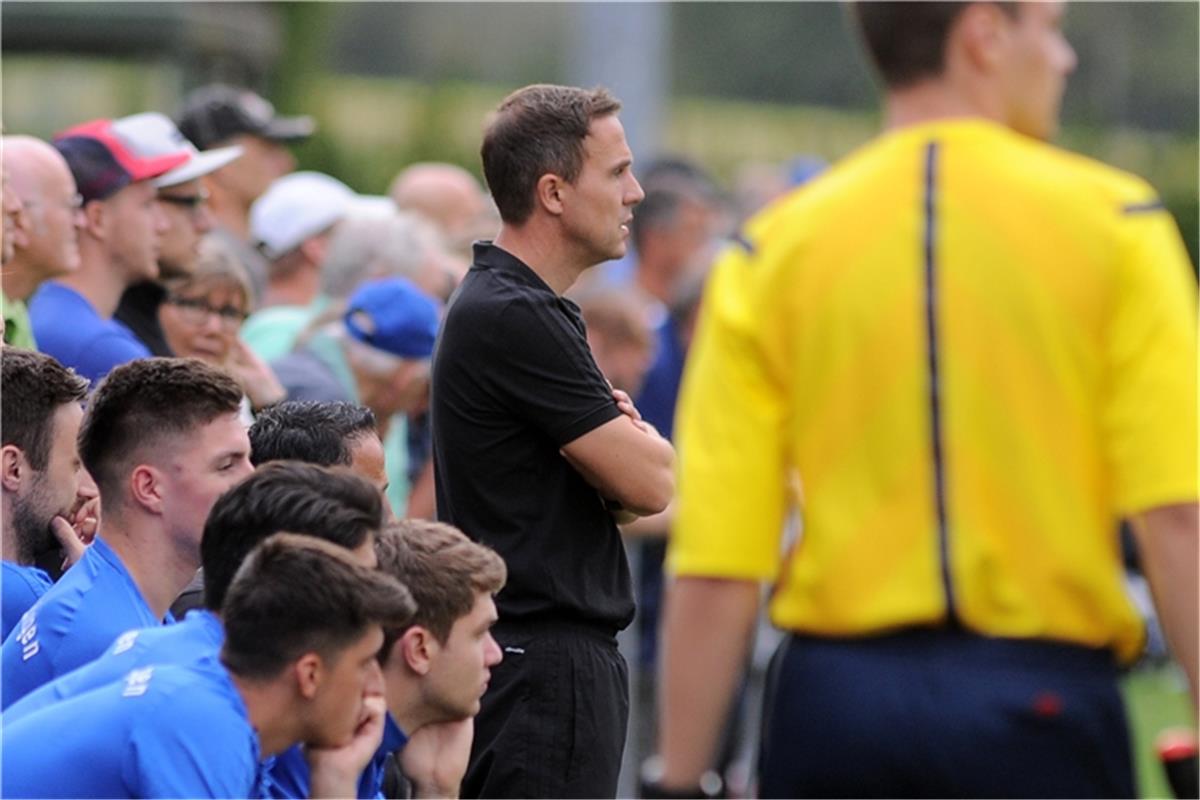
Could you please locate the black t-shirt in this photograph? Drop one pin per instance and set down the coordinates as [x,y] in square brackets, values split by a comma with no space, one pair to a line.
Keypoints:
[514,381]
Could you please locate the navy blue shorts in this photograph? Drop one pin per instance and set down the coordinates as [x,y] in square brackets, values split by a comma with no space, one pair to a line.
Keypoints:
[942,713]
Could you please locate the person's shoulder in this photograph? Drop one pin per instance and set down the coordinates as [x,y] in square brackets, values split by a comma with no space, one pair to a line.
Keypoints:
[23,579]
[1087,180]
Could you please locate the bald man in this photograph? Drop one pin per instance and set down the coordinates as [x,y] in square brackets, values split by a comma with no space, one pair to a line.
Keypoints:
[44,236]
[447,195]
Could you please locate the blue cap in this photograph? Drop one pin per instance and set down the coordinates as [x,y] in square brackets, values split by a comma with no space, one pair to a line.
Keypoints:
[393,315]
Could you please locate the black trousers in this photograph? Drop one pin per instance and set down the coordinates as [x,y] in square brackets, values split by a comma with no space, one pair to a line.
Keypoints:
[935,713]
[554,718]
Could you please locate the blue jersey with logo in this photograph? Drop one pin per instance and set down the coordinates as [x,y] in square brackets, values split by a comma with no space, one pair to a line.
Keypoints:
[22,586]
[173,731]
[199,636]
[73,623]
[287,776]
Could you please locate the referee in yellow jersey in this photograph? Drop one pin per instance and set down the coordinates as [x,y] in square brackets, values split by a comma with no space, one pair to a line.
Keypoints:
[963,355]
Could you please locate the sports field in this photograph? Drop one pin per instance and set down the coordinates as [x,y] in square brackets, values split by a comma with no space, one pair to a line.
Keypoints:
[1156,698]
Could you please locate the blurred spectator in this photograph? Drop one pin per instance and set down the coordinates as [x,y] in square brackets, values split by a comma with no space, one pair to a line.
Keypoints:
[376,355]
[407,245]
[292,224]
[449,197]
[670,227]
[619,336]
[182,199]
[41,215]
[12,207]
[218,116]
[203,311]
[162,439]
[365,245]
[40,414]
[118,246]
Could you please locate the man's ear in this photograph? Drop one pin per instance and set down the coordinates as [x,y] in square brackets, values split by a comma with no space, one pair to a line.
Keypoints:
[22,228]
[15,468]
[419,648]
[146,488]
[309,671]
[980,36]
[549,193]
[96,217]
[314,248]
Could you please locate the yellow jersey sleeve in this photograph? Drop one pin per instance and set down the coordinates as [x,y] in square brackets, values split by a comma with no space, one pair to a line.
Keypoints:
[732,495]
[1150,414]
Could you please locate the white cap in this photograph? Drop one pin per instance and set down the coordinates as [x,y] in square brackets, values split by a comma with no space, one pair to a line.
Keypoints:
[374,205]
[152,134]
[295,208]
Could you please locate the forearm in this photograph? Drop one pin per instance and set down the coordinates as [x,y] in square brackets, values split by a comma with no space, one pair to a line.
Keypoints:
[1167,543]
[655,526]
[706,637]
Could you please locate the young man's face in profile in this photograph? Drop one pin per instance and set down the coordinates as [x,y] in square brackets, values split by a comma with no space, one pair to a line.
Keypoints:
[462,667]
[1037,61]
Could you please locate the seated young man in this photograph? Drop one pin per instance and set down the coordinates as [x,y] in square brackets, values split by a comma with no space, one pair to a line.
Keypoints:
[436,669]
[303,627]
[162,439]
[330,504]
[40,413]
[329,434]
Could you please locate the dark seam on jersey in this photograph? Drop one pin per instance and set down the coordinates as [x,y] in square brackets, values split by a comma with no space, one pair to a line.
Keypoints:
[935,399]
[1142,208]
[743,242]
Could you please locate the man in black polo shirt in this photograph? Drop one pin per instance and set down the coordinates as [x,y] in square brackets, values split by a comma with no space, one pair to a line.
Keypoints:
[536,456]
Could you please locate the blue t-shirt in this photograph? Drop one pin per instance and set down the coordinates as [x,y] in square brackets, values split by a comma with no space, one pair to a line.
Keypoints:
[22,586]
[287,774]
[67,327]
[74,622]
[173,731]
[199,636]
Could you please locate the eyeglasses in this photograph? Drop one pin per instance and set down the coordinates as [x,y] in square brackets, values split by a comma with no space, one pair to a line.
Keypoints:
[191,202]
[195,311]
[72,203]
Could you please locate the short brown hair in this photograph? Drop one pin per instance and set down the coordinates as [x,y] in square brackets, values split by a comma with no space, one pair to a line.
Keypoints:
[443,569]
[33,386]
[538,130]
[138,403]
[907,40]
[298,594]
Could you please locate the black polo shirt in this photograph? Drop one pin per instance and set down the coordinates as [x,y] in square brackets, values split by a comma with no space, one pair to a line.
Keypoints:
[514,381]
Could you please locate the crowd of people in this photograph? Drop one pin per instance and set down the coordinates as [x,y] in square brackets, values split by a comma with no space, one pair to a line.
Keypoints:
[237,396]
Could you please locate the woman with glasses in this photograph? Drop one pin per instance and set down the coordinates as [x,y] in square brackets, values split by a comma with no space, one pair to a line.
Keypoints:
[201,318]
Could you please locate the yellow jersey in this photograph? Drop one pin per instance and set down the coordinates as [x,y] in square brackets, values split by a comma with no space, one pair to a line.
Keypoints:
[963,355]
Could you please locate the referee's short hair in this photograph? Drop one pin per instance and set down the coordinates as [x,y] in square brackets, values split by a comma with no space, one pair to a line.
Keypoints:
[906,41]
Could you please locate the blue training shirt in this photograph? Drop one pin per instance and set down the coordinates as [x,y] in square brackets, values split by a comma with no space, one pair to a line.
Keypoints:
[173,731]
[287,775]
[22,586]
[66,326]
[199,636]
[73,623]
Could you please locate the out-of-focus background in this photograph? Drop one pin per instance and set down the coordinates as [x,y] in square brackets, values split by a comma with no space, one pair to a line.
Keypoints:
[736,86]
[753,92]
